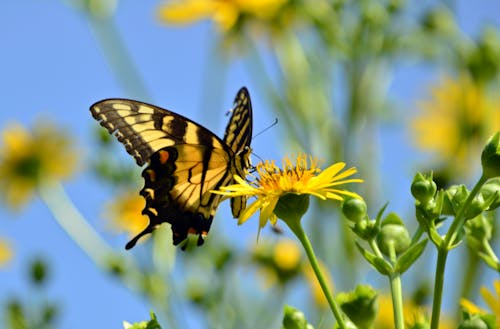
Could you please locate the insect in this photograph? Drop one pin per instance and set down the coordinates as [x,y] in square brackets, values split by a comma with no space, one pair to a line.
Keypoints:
[184,161]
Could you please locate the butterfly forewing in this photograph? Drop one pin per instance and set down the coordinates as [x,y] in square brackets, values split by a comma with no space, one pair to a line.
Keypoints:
[237,137]
[185,160]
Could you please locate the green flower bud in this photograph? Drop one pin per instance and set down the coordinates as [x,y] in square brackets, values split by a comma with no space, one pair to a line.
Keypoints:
[478,230]
[490,158]
[360,305]
[366,229]
[492,190]
[374,14]
[38,271]
[482,60]
[393,233]
[474,322]
[423,188]
[477,206]
[354,209]
[448,208]
[292,206]
[294,319]
[439,21]
[455,196]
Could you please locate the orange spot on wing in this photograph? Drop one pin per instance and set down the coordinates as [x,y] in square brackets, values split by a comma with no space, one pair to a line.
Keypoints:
[163,156]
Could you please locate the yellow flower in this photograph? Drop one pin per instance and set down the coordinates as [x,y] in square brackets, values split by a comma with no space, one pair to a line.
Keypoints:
[456,120]
[225,13]
[301,178]
[27,158]
[278,262]
[412,312]
[5,252]
[125,213]
[492,299]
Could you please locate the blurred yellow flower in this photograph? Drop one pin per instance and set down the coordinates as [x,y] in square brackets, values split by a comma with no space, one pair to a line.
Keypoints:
[492,299]
[225,13]
[27,158]
[303,177]
[456,120]
[125,213]
[5,252]
[413,314]
[278,262]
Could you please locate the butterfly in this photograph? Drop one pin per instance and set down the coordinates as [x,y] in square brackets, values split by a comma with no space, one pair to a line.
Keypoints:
[185,161]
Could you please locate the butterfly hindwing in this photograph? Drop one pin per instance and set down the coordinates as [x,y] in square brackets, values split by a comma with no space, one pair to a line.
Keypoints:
[185,161]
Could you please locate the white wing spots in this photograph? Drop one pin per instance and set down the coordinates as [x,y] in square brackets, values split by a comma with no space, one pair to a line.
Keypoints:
[121,106]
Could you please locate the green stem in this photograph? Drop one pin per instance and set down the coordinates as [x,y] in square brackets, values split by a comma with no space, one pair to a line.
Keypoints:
[438,287]
[446,245]
[73,223]
[396,293]
[397,300]
[301,235]
[118,58]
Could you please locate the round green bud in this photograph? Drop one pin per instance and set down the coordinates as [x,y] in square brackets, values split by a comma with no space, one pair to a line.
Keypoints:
[395,235]
[354,209]
[490,157]
[360,305]
[439,21]
[294,319]
[423,188]
[38,271]
[492,190]
[475,322]
[477,206]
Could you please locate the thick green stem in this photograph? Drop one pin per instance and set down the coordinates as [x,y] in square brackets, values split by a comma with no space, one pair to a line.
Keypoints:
[73,223]
[119,59]
[396,293]
[438,287]
[397,300]
[301,235]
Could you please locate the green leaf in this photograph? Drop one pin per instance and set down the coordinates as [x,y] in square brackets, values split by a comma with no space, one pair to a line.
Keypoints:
[410,256]
[490,261]
[380,264]
[151,324]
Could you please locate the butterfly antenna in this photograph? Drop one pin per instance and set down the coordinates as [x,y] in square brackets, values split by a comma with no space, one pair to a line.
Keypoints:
[252,168]
[266,129]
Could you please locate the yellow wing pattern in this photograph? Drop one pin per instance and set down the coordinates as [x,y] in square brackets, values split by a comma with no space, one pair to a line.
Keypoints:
[185,161]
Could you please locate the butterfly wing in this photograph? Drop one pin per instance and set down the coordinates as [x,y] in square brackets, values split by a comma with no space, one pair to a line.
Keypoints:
[237,137]
[185,161]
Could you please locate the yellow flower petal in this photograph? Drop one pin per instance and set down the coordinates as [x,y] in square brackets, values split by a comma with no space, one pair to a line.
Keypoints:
[186,12]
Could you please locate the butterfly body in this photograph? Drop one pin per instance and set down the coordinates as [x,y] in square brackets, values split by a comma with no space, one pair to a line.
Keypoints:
[185,161]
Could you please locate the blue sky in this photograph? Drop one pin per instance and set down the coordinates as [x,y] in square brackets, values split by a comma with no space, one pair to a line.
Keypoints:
[51,66]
